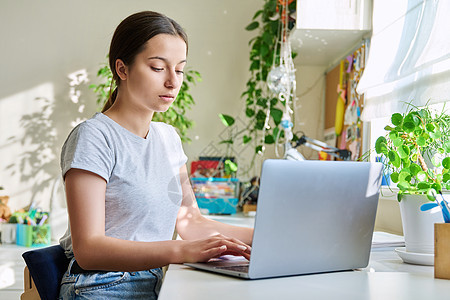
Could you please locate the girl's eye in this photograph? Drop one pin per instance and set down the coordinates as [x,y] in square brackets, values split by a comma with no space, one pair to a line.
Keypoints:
[180,72]
[157,69]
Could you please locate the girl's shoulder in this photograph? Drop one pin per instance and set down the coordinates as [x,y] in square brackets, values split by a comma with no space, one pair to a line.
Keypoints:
[163,128]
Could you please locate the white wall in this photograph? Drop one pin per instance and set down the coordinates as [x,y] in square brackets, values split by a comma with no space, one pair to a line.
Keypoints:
[45,42]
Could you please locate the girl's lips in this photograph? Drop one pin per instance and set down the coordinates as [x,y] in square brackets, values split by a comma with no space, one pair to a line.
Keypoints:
[167,98]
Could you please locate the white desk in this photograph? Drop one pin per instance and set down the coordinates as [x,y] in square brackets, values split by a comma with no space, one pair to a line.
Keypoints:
[386,277]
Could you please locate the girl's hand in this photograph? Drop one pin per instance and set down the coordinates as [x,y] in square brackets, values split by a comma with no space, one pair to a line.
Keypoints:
[212,247]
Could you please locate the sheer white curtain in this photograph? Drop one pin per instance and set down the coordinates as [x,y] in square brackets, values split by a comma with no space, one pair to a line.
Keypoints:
[409,58]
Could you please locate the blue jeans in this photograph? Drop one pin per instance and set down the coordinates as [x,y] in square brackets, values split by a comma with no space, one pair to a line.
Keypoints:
[111,285]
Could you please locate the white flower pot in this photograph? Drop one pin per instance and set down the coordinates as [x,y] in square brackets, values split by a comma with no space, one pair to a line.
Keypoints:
[418,226]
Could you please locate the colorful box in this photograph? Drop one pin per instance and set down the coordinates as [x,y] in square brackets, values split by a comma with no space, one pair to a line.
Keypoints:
[216,195]
[33,236]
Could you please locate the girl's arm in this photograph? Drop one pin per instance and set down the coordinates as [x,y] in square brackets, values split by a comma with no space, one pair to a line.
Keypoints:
[192,225]
[94,250]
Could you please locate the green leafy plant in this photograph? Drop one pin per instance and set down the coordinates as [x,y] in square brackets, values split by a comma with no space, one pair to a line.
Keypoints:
[175,115]
[413,138]
[260,103]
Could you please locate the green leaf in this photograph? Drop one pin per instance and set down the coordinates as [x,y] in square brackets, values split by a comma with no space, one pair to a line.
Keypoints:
[264,50]
[380,145]
[257,14]
[394,158]
[447,186]
[437,186]
[412,117]
[446,162]
[430,127]
[404,176]
[258,149]
[394,177]
[388,128]
[230,167]
[406,162]
[397,142]
[393,135]
[268,139]
[423,185]
[226,119]
[276,130]
[403,185]
[421,141]
[268,38]
[249,112]
[252,26]
[408,126]
[446,177]
[246,139]
[397,119]
[276,114]
[403,151]
[414,168]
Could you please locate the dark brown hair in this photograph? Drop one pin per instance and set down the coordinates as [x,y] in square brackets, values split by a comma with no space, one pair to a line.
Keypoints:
[130,39]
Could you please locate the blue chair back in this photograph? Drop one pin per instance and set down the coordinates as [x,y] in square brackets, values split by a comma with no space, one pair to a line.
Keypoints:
[47,267]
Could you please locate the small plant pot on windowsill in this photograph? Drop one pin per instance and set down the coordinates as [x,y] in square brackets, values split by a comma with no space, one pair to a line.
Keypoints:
[418,226]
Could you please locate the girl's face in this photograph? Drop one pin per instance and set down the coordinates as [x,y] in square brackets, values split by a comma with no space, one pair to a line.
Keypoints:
[155,77]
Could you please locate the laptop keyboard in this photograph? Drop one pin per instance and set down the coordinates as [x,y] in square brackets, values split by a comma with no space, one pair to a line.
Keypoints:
[237,268]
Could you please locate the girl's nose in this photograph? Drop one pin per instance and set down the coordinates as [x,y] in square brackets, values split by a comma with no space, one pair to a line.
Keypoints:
[173,80]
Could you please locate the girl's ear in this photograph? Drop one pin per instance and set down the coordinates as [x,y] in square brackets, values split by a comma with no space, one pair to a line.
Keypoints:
[121,69]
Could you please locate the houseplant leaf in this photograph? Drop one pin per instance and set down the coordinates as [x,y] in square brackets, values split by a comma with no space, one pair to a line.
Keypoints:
[380,145]
[446,177]
[421,141]
[394,177]
[246,139]
[397,119]
[414,168]
[252,26]
[437,186]
[403,151]
[394,158]
[226,119]
[446,163]
[423,185]
[404,176]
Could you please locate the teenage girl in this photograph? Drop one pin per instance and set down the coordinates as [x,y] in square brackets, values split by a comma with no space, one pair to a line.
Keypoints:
[126,181]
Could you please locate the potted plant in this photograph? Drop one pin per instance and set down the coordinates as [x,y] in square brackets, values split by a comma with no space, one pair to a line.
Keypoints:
[416,152]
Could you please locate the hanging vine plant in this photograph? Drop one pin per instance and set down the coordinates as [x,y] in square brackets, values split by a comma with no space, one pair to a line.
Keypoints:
[260,103]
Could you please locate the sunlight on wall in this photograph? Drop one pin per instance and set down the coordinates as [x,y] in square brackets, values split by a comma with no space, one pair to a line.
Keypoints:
[14,147]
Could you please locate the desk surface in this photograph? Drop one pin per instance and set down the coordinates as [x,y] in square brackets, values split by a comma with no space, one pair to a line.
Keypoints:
[386,277]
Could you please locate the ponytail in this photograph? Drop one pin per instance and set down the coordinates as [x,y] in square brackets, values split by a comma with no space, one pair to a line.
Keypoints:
[111,99]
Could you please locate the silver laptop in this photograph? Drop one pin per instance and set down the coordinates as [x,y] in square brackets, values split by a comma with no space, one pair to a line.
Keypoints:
[312,217]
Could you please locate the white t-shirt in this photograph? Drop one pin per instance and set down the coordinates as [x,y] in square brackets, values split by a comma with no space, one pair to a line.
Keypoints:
[143,191]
